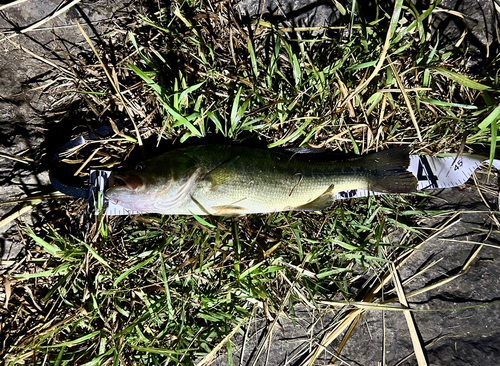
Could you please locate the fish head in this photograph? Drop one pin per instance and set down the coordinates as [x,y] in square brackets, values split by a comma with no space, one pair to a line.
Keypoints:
[138,189]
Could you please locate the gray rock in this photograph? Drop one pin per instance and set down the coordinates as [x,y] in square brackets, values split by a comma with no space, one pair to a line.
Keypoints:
[479,19]
[296,13]
[25,107]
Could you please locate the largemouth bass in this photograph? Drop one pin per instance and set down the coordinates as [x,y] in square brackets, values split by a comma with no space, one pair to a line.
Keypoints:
[229,180]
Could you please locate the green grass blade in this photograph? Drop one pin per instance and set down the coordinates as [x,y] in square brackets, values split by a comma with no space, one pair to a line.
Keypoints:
[175,102]
[253,59]
[251,269]
[181,121]
[75,341]
[293,135]
[189,90]
[492,118]
[234,111]
[49,248]
[462,80]
[493,145]
[364,65]
[203,221]
[441,103]
[133,269]
[62,269]
[215,119]
[144,76]
[97,256]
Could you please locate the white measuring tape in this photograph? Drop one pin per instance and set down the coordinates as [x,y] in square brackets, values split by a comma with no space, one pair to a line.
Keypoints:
[431,173]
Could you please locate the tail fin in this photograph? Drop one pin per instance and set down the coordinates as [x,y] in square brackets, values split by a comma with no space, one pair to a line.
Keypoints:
[388,171]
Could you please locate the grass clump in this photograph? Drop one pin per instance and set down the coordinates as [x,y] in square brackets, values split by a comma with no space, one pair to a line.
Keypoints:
[170,290]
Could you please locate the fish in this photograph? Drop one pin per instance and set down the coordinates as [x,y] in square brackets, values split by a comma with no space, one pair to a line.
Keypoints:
[226,180]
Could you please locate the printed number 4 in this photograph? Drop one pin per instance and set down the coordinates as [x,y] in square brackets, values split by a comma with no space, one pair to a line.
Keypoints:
[458,165]
[425,173]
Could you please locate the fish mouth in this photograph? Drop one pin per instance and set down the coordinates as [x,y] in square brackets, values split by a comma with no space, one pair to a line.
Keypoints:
[131,182]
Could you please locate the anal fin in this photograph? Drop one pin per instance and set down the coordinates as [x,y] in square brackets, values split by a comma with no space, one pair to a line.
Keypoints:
[324,201]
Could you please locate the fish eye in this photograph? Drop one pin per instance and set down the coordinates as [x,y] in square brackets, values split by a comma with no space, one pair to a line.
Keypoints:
[139,168]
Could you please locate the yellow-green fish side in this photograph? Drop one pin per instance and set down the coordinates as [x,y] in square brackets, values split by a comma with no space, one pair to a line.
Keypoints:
[231,180]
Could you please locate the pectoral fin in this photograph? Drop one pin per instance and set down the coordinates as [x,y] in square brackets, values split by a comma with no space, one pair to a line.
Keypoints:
[320,203]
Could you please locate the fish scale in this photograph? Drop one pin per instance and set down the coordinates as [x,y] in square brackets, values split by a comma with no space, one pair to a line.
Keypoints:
[264,181]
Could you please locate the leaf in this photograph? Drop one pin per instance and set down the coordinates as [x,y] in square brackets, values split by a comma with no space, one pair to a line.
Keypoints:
[461,79]
[332,272]
[133,269]
[52,272]
[492,118]
[493,146]
[292,136]
[175,104]
[253,59]
[97,256]
[297,73]
[373,101]
[161,351]
[203,221]
[144,76]
[49,248]
[345,245]
[181,120]
[294,63]
[250,270]
[136,46]
[234,110]
[216,121]
[190,90]
[340,8]
[75,341]
[364,65]
[440,103]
